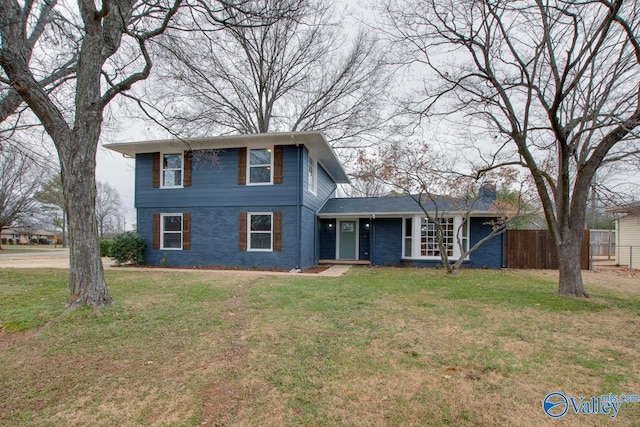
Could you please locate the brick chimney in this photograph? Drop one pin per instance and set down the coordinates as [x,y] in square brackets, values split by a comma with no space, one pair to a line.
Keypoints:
[487,191]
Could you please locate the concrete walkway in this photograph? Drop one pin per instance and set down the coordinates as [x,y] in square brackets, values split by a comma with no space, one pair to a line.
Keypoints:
[61,260]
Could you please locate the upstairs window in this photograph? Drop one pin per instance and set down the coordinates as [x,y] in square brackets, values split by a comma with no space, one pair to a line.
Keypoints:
[312,176]
[260,166]
[172,170]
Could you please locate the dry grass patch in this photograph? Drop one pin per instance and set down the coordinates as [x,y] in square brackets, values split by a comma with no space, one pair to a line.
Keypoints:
[378,347]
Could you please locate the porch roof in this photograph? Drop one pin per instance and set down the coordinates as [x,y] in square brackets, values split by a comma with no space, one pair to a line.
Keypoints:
[403,205]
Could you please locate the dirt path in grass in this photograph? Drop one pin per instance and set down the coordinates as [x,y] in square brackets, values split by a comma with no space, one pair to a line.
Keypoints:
[222,400]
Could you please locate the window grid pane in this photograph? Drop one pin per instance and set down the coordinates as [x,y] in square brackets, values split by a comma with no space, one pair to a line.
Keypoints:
[260,157]
[260,174]
[429,237]
[260,166]
[171,170]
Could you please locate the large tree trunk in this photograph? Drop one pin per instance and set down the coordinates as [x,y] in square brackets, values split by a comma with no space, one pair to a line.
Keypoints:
[569,255]
[86,276]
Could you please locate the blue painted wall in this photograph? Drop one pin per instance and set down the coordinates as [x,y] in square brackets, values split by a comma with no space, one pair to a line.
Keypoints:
[217,184]
[214,200]
[325,186]
[308,235]
[327,240]
[490,254]
[387,249]
[386,240]
[214,239]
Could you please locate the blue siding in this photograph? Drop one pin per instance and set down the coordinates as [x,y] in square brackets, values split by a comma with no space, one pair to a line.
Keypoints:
[490,253]
[387,245]
[327,239]
[216,185]
[214,239]
[308,234]
[325,186]
[386,241]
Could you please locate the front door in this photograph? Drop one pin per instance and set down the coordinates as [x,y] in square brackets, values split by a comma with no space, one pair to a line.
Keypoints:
[347,240]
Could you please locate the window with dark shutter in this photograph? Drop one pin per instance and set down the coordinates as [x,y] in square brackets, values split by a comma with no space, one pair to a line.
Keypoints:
[155,175]
[156,231]
[277,164]
[242,166]
[242,231]
[188,155]
[277,231]
[186,231]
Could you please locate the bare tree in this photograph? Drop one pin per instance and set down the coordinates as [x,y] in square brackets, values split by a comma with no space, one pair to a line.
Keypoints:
[101,49]
[20,176]
[109,208]
[549,86]
[442,188]
[295,73]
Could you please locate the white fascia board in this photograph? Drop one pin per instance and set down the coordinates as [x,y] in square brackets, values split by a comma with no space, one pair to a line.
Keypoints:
[314,141]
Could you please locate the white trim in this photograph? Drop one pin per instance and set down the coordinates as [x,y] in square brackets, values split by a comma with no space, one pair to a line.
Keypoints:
[271,151]
[162,154]
[314,141]
[249,248]
[345,215]
[357,231]
[416,243]
[162,215]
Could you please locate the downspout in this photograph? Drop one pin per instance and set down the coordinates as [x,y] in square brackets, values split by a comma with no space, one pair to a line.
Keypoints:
[298,202]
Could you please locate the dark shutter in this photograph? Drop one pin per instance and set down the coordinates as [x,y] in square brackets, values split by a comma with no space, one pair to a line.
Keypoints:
[277,164]
[155,176]
[188,155]
[277,231]
[156,231]
[186,231]
[242,166]
[242,231]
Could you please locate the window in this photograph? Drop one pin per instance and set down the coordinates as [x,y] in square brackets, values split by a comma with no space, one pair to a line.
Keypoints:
[260,166]
[429,237]
[408,237]
[312,176]
[464,238]
[260,231]
[172,170]
[171,231]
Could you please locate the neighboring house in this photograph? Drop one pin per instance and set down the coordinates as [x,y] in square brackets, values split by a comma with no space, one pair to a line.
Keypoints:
[267,201]
[25,236]
[11,236]
[628,235]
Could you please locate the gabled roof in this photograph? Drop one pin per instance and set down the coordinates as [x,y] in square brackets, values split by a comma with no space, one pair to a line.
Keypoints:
[314,141]
[403,205]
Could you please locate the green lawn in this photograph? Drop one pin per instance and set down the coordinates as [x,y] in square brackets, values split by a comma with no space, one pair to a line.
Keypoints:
[375,347]
[19,249]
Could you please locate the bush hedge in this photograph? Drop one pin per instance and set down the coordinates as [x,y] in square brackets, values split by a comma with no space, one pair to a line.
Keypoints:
[105,247]
[127,248]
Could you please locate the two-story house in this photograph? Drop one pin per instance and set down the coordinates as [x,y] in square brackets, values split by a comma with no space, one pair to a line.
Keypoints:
[268,201]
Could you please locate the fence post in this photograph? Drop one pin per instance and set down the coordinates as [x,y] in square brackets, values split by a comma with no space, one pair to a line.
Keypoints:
[630,257]
[590,258]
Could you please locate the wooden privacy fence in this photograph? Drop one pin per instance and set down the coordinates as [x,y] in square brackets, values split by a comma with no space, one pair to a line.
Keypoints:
[535,249]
